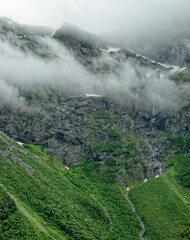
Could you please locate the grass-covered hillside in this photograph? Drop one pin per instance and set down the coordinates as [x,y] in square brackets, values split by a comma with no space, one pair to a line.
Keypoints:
[164,202]
[40,199]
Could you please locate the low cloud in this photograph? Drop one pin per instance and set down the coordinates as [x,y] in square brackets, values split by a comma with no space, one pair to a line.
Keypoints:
[8,93]
[129,84]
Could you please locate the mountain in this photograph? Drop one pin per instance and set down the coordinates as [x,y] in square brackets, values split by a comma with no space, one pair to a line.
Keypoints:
[7,25]
[87,48]
[94,140]
[172,50]
[178,53]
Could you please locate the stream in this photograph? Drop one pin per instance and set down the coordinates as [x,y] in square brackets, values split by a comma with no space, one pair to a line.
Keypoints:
[134,210]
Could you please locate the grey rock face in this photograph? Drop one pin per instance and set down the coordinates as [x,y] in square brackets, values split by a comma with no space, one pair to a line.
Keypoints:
[78,127]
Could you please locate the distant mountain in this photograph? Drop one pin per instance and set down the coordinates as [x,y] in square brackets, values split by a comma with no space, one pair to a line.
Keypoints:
[7,25]
[178,53]
[174,51]
[88,48]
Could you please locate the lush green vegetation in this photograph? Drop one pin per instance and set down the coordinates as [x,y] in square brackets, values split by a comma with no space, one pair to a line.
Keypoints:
[186,107]
[3,145]
[114,133]
[180,142]
[181,160]
[162,203]
[110,162]
[111,147]
[13,223]
[96,180]
[38,150]
[7,206]
[184,230]
[82,203]
[131,145]
[110,121]
[182,169]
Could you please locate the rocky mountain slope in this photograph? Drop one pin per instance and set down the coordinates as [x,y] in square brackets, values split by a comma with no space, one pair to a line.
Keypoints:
[74,128]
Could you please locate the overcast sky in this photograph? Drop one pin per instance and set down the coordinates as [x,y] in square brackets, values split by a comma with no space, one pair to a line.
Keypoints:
[97,15]
[127,20]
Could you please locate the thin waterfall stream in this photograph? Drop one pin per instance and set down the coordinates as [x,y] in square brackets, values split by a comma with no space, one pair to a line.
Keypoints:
[134,210]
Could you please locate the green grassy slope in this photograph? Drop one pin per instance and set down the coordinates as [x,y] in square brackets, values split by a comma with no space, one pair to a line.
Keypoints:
[66,204]
[164,202]
[14,225]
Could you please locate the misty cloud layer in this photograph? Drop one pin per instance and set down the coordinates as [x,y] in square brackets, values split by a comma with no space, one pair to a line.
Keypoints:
[130,84]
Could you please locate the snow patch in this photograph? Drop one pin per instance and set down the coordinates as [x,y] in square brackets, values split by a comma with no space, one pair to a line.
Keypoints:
[130,50]
[21,144]
[53,34]
[139,55]
[92,95]
[182,69]
[173,68]
[111,49]
[101,49]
